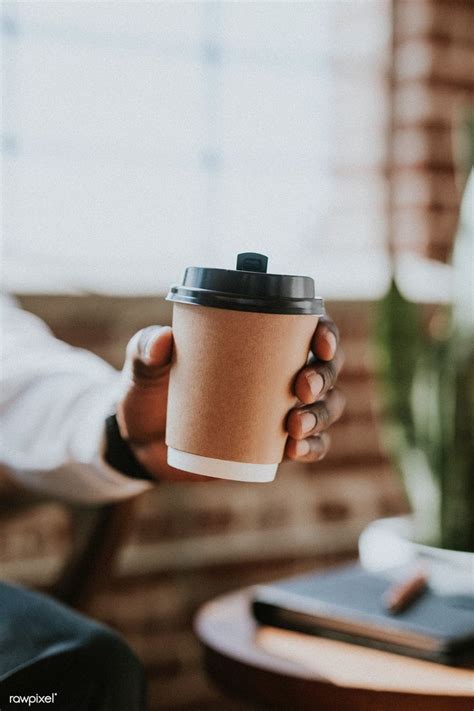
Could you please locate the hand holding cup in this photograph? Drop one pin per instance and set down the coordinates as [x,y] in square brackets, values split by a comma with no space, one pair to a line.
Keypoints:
[322,402]
[202,415]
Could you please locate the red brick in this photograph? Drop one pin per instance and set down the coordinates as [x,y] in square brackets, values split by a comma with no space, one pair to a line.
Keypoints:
[423,148]
[435,19]
[419,59]
[430,189]
[332,510]
[424,230]
[419,104]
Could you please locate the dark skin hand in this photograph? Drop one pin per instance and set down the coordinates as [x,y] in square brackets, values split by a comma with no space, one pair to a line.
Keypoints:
[141,413]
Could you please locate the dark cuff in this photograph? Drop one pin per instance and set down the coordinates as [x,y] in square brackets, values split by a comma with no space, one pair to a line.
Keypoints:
[119,455]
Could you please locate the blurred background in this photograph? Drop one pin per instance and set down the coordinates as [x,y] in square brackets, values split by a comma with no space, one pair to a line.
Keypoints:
[140,138]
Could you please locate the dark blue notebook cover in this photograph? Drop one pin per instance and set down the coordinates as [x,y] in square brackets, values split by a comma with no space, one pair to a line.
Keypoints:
[347,604]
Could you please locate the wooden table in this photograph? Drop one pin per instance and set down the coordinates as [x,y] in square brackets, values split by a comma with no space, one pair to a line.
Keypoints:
[271,668]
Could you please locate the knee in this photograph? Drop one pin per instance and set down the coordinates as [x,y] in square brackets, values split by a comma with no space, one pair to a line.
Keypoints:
[109,653]
[95,670]
[111,671]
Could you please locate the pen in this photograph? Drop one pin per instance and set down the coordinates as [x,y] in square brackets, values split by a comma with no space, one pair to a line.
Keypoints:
[402,594]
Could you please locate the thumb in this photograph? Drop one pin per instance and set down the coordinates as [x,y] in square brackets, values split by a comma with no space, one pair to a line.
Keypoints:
[155,345]
[141,411]
[149,353]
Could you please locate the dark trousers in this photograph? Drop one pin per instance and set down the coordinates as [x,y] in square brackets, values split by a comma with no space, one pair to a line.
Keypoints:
[48,650]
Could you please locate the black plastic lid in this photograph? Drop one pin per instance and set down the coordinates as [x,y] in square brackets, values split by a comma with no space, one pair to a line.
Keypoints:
[248,288]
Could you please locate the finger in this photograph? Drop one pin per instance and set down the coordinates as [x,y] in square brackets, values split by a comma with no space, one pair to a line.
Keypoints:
[149,354]
[318,377]
[325,339]
[312,449]
[308,421]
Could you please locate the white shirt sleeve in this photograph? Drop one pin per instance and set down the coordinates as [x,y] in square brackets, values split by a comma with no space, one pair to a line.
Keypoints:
[54,400]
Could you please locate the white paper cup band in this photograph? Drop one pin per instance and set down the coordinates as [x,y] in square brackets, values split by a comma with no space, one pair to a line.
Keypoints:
[221,468]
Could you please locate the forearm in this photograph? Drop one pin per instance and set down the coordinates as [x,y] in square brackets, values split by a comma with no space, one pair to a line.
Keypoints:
[59,450]
[54,402]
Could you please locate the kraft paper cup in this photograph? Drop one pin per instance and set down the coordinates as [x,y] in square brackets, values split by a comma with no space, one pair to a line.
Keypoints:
[232,376]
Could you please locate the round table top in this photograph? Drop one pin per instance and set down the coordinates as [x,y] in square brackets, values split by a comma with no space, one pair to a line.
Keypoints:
[279,668]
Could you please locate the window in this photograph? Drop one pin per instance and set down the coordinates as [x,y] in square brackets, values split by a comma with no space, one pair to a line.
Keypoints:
[139,138]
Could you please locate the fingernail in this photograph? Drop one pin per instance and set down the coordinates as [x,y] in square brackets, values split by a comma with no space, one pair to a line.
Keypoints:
[147,349]
[302,448]
[145,342]
[315,382]
[308,422]
[331,339]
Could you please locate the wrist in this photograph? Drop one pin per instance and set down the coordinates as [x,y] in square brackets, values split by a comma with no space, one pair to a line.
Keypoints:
[119,455]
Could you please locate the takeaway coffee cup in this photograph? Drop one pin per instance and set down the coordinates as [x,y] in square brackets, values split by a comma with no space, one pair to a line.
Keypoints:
[240,336]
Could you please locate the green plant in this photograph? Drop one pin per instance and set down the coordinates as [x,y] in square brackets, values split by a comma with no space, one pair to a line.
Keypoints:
[426,367]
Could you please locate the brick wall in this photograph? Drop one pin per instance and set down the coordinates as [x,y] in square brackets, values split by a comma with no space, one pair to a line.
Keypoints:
[433,81]
[191,542]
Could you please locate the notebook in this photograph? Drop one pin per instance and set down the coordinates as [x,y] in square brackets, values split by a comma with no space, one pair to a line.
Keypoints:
[346,604]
